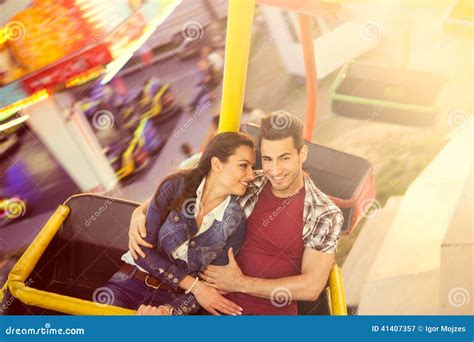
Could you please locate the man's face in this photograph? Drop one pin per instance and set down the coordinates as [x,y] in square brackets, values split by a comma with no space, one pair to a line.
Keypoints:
[282,164]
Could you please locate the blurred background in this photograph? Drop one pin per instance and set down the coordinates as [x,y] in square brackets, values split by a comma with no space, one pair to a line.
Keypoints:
[109,97]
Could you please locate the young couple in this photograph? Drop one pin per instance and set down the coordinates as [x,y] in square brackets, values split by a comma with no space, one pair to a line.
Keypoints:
[183,240]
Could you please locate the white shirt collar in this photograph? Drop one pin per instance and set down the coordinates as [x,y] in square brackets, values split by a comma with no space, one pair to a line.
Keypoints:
[218,212]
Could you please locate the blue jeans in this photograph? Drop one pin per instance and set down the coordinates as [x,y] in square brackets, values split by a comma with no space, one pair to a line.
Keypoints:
[130,293]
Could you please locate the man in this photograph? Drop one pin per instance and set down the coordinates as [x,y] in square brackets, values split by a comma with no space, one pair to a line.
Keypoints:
[292,229]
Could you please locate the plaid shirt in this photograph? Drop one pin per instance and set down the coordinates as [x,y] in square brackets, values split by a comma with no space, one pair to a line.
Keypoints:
[322,218]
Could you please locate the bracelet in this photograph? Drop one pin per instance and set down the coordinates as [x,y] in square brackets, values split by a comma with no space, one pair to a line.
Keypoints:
[167,308]
[192,286]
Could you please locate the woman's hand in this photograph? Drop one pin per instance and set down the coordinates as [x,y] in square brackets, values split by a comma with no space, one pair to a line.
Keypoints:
[218,290]
[148,310]
[212,301]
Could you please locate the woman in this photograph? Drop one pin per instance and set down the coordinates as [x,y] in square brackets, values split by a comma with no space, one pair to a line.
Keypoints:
[192,222]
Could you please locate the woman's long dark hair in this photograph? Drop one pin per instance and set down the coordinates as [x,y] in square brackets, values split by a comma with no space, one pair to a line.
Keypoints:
[222,146]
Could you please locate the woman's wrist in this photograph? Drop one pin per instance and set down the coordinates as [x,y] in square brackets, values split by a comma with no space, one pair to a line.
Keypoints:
[192,287]
[138,212]
[197,287]
[186,282]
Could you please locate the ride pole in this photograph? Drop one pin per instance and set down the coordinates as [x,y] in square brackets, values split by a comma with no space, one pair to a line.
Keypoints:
[237,48]
[311,74]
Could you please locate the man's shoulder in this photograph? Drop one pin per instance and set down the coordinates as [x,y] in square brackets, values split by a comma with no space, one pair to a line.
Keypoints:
[324,220]
[248,201]
[260,178]
[256,184]
[318,200]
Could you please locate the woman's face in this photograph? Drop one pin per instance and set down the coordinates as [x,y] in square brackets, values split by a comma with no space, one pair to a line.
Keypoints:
[237,172]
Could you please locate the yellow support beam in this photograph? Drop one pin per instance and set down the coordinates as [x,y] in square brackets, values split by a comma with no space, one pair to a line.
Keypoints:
[47,300]
[336,286]
[33,253]
[239,32]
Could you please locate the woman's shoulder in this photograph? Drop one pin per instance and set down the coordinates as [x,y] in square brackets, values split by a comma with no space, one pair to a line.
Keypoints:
[173,183]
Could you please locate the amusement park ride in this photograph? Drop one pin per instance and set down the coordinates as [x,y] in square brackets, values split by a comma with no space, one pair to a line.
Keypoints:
[69,259]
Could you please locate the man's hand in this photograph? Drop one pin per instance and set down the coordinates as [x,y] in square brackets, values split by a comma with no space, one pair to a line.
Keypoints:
[146,310]
[307,286]
[137,232]
[226,278]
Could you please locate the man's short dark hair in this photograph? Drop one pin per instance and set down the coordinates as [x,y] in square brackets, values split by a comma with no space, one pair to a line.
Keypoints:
[280,125]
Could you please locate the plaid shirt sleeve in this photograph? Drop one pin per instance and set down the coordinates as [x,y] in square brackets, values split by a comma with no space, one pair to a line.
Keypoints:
[324,233]
[323,220]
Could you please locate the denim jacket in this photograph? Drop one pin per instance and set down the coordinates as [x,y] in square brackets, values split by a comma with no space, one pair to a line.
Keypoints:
[180,226]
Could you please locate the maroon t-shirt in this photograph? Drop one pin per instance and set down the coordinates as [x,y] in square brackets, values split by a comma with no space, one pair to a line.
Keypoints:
[273,248]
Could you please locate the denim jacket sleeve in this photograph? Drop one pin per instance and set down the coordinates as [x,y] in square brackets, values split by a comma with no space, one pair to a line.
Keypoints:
[235,241]
[187,303]
[155,261]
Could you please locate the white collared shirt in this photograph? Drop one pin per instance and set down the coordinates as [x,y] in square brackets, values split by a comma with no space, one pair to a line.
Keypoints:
[215,214]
